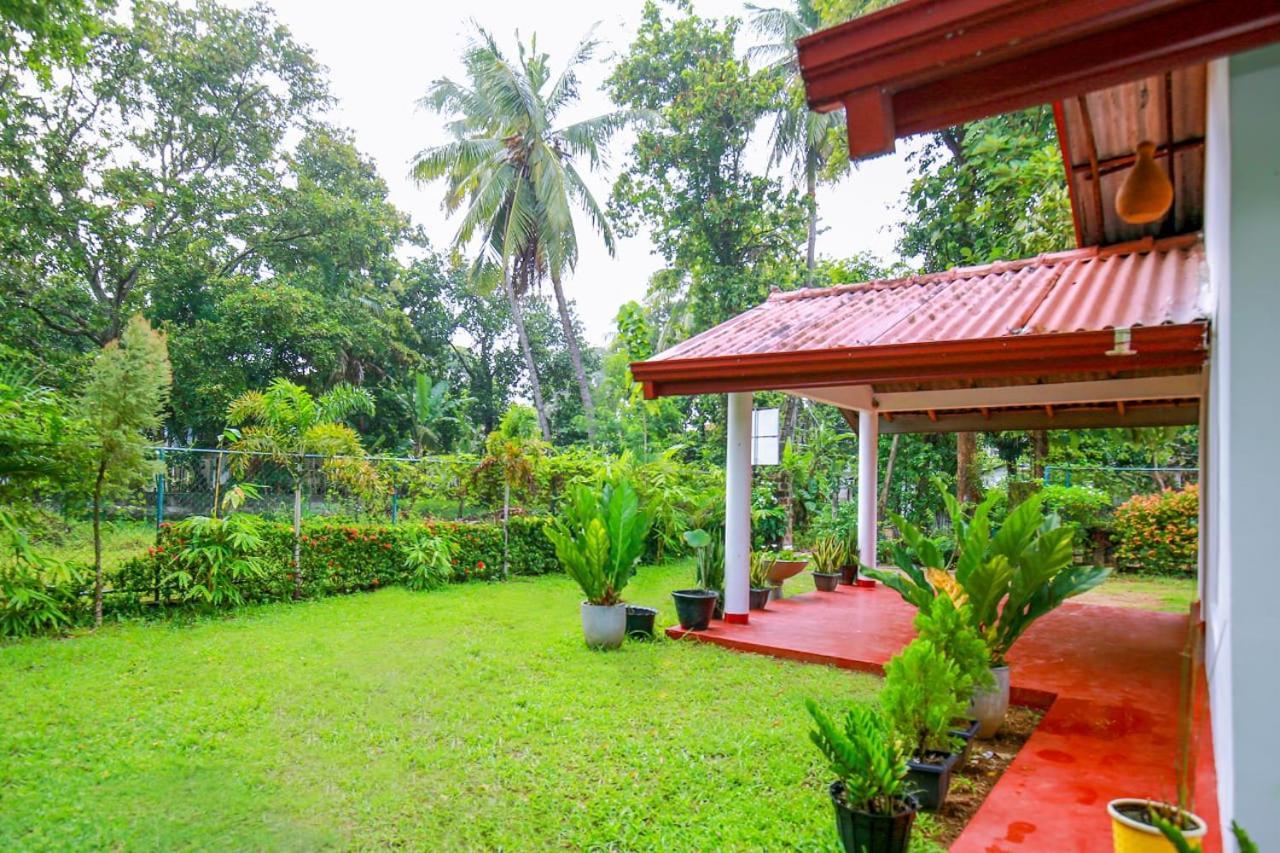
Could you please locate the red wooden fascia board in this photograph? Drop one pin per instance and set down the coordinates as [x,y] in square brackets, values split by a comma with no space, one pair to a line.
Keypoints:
[934,63]
[1155,347]
[925,39]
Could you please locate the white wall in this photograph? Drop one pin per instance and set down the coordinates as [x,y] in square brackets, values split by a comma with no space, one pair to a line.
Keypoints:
[1242,234]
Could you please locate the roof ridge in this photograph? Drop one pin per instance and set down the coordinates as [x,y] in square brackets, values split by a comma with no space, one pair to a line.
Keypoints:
[1133,247]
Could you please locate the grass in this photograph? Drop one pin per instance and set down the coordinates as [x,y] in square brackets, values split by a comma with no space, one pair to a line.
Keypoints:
[120,541]
[1161,593]
[471,717]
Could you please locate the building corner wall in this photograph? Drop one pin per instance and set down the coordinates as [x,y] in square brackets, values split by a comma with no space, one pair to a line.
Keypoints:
[1242,233]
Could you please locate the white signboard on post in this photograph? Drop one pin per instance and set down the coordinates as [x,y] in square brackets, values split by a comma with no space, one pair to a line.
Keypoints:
[764,437]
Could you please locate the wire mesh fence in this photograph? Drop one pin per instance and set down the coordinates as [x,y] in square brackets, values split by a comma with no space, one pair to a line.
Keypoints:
[1120,484]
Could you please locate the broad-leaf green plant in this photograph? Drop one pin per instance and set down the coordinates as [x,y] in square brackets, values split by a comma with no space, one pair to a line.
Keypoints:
[600,537]
[708,564]
[216,557]
[1010,578]
[429,560]
[865,754]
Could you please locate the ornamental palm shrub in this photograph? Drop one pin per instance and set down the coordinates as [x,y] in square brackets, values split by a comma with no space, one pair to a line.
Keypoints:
[922,696]
[216,558]
[600,537]
[1010,578]
[948,626]
[864,753]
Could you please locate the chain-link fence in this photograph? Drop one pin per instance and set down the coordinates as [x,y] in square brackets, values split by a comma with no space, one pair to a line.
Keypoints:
[1121,483]
[193,480]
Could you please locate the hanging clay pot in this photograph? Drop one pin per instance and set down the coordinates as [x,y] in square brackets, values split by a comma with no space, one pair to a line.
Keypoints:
[1146,193]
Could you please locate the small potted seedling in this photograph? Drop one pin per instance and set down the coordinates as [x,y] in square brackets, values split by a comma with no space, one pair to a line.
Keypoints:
[828,554]
[695,607]
[761,565]
[874,811]
[920,698]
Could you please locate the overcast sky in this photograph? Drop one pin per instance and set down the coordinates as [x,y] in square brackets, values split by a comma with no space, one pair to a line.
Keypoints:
[382,55]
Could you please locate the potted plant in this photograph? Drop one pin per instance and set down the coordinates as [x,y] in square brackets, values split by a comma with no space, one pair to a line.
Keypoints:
[1010,577]
[849,566]
[920,697]
[695,607]
[828,554]
[761,565]
[787,564]
[599,538]
[874,812]
[949,627]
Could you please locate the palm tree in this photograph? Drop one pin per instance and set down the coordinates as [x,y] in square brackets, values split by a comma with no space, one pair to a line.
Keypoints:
[803,140]
[512,168]
[285,424]
[432,408]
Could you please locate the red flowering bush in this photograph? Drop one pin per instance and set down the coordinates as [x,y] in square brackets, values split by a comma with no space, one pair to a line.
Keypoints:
[1160,532]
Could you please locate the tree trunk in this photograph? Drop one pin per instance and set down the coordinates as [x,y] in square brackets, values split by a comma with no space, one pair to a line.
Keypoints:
[97,544]
[517,314]
[1039,452]
[811,193]
[575,356]
[506,516]
[297,539]
[966,473]
[883,502]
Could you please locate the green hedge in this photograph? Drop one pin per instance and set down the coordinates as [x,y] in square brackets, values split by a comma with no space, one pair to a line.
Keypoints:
[340,557]
[1159,533]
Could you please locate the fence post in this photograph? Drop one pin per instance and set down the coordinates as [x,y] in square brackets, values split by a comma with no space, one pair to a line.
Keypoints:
[160,491]
[1046,474]
[395,505]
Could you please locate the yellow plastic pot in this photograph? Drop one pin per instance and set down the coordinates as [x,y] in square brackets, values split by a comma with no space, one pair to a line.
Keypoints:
[1134,836]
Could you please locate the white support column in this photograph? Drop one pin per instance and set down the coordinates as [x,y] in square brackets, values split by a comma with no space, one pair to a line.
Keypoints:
[737,510]
[868,489]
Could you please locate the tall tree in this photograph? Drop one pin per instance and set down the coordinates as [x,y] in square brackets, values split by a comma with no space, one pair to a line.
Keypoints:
[123,405]
[727,235]
[286,425]
[155,160]
[513,167]
[800,139]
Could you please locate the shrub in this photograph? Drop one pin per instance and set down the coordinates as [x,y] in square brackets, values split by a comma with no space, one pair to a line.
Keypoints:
[600,538]
[1159,533]
[922,696]
[340,557]
[216,557]
[1081,508]
[950,629]
[429,560]
[37,593]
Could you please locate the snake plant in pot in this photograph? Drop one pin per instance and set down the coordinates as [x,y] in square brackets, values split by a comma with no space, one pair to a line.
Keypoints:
[599,537]
[874,811]
[828,555]
[761,565]
[1009,577]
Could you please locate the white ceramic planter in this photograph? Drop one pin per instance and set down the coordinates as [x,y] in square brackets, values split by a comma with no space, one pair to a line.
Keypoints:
[988,707]
[604,625]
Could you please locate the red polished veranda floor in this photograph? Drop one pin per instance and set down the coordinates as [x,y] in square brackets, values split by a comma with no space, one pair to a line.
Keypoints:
[1108,676]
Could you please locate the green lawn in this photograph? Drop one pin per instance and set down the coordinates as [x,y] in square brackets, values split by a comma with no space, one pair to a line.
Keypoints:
[468,717]
[1147,592]
[120,541]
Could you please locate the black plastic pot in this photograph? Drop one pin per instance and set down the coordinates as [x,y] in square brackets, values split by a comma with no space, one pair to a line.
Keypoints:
[864,832]
[694,608]
[848,575]
[966,733]
[759,597]
[640,622]
[824,582]
[930,781]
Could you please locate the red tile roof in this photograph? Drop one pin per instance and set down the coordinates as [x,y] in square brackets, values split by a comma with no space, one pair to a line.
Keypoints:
[1015,318]
[1147,284]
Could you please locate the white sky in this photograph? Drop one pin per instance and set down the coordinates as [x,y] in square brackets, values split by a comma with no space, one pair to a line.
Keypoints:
[382,54]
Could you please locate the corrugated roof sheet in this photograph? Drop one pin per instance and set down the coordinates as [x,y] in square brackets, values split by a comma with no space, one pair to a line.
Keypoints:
[1149,283]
